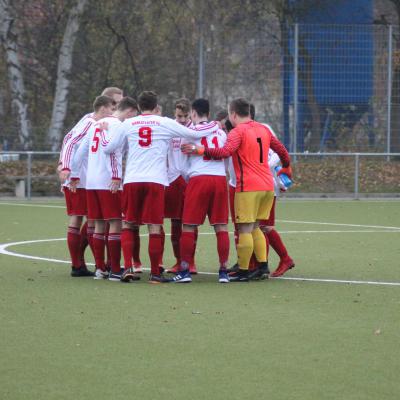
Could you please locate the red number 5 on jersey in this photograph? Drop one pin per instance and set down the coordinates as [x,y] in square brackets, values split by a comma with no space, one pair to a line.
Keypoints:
[96,140]
[145,136]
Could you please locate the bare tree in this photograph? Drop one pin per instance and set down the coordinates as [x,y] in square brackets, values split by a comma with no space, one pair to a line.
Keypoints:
[60,104]
[8,38]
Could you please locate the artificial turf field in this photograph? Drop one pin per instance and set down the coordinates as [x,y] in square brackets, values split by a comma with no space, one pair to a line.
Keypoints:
[328,338]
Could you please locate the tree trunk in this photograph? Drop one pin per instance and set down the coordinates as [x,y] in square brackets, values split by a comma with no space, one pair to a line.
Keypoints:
[60,104]
[8,38]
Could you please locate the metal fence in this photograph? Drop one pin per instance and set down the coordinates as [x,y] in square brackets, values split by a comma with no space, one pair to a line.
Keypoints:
[324,88]
[352,175]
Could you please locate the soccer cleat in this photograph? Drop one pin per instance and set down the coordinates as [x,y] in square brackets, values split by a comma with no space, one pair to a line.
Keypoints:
[81,272]
[99,274]
[174,270]
[242,275]
[223,276]
[233,269]
[260,273]
[155,279]
[182,277]
[284,266]
[129,275]
[115,276]
[193,269]
[137,267]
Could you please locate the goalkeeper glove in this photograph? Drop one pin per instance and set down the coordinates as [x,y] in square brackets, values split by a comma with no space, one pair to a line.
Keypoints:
[190,148]
[286,170]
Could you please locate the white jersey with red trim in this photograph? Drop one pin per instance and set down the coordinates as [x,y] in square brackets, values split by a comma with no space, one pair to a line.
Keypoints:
[212,137]
[101,167]
[70,146]
[176,159]
[148,137]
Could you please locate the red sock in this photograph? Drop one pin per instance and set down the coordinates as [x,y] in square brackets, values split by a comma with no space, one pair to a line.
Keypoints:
[223,248]
[108,262]
[127,244]
[99,250]
[90,232]
[176,231]
[196,235]
[162,246]
[155,251]
[84,243]
[74,243]
[252,263]
[114,246]
[276,243]
[136,246]
[188,246]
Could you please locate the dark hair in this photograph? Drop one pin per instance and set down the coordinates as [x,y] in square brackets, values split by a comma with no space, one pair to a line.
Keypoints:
[240,106]
[202,107]
[252,111]
[102,101]
[228,125]
[127,102]
[147,100]
[221,114]
[183,105]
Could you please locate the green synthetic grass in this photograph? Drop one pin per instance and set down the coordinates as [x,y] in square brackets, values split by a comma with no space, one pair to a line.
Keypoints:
[64,338]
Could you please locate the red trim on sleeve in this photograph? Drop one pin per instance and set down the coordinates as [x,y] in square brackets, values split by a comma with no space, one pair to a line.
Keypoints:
[280,149]
[231,145]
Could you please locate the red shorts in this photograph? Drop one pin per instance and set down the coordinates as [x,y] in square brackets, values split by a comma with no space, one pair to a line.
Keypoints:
[143,203]
[174,196]
[102,204]
[271,220]
[76,202]
[206,195]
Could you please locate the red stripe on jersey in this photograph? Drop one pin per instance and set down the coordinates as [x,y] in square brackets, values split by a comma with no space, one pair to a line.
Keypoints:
[204,127]
[73,143]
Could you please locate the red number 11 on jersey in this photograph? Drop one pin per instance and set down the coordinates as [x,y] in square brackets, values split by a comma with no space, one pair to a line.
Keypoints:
[204,143]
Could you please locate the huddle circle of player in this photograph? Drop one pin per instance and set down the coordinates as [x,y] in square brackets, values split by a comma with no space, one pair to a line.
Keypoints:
[184,169]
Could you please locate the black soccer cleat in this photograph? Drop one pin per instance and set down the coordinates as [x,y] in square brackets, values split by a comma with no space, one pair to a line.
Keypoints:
[80,272]
[260,273]
[242,275]
[233,269]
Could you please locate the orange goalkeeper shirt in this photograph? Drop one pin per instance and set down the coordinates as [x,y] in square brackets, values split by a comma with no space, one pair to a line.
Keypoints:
[248,144]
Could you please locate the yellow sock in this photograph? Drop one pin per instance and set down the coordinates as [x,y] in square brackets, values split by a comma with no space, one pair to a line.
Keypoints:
[260,247]
[244,250]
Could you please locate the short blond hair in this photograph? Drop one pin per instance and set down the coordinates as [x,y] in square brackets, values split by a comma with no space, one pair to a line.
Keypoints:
[110,91]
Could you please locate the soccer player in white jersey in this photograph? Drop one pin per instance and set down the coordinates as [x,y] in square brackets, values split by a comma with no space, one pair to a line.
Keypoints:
[76,202]
[103,187]
[147,137]
[175,192]
[206,194]
[79,237]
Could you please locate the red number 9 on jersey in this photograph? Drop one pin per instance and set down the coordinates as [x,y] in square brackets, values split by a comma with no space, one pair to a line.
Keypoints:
[145,136]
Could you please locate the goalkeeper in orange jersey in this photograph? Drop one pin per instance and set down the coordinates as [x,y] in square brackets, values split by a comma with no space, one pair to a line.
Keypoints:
[248,144]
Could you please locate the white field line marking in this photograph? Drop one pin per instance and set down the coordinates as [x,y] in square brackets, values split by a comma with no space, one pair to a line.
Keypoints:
[30,205]
[336,224]
[4,246]
[278,220]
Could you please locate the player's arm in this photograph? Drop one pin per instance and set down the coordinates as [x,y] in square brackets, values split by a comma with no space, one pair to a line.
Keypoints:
[116,138]
[232,144]
[79,157]
[283,154]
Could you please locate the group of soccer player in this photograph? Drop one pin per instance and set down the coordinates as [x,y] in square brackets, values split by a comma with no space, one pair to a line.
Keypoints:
[176,169]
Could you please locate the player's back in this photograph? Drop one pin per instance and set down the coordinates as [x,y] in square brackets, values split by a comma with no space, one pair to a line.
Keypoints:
[251,159]
[148,142]
[101,167]
[215,138]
